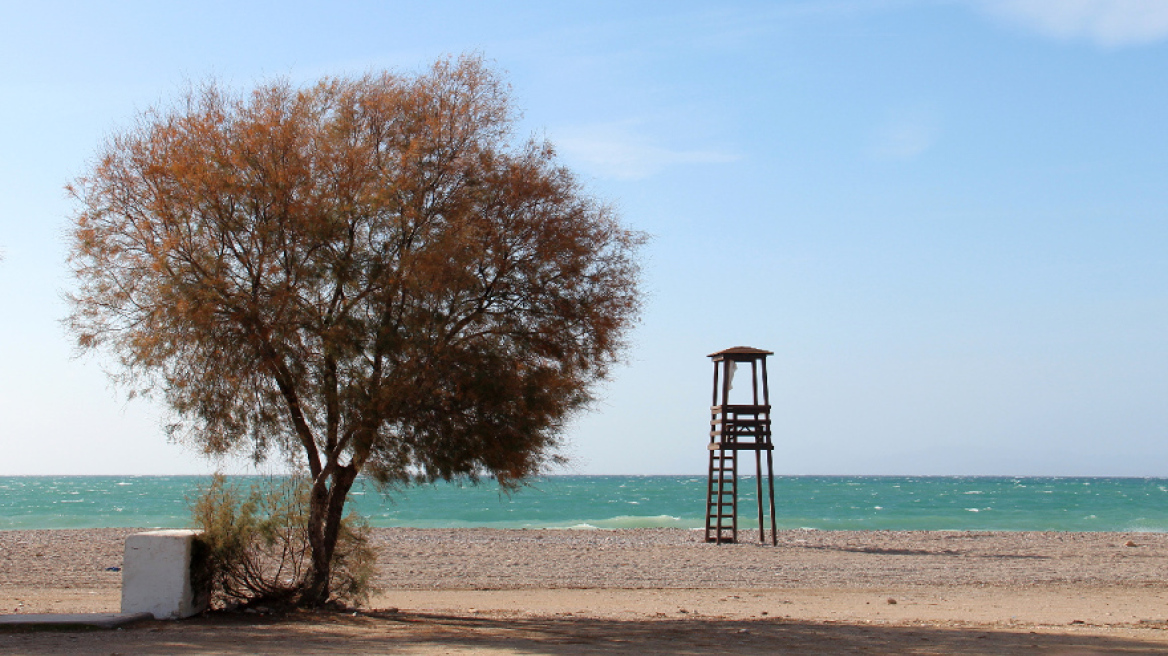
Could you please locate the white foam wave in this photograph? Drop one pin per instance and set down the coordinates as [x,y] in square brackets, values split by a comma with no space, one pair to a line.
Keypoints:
[625,521]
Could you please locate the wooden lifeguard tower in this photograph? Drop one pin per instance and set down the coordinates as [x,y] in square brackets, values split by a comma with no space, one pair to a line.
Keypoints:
[735,428]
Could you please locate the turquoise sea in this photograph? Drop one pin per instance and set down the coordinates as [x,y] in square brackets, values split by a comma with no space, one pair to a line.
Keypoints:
[605,502]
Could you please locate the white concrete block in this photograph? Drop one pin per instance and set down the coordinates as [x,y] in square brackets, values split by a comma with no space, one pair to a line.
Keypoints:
[156,575]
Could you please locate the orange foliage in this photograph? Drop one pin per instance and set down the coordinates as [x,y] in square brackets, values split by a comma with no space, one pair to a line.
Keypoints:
[368,273]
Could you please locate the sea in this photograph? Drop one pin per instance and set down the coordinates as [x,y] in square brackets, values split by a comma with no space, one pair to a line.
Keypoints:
[961,503]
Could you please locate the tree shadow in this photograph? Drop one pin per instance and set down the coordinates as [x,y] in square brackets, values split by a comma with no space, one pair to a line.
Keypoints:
[406,633]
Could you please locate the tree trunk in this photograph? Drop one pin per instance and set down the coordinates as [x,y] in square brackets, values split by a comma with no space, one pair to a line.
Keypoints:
[326,510]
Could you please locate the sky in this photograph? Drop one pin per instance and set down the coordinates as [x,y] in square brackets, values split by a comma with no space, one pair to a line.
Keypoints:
[947,219]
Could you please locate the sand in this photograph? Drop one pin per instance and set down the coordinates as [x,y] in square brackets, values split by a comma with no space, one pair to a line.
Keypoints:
[655,591]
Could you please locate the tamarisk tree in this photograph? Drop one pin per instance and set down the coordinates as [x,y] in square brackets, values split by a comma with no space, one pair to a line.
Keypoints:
[369,275]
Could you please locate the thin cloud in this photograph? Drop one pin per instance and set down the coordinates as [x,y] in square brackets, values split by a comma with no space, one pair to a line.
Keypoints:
[1109,23]
[618,150]
[905,135]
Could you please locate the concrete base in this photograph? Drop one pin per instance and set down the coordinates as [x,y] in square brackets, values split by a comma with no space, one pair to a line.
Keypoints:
[64,621]
[156,575]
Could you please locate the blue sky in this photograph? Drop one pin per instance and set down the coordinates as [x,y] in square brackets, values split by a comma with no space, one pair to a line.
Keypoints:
[947,219]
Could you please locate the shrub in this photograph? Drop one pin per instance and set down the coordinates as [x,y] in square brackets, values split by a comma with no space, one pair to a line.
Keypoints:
[254,545]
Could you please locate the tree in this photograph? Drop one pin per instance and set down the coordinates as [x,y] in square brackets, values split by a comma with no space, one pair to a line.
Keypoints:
[367,274]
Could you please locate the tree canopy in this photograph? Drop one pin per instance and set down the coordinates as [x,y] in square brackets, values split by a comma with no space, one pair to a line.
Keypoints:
[368,274]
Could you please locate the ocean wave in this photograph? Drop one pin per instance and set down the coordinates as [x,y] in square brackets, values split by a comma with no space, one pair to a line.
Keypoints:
[623,521]
[1145,525]
[641,521]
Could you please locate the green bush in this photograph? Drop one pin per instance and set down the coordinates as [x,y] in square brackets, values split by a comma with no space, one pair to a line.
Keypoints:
[254,545]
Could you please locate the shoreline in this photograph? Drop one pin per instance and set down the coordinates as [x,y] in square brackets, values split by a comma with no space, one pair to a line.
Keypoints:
[627,581]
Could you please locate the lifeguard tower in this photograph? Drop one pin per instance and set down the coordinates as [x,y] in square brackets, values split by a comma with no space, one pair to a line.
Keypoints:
[735,428]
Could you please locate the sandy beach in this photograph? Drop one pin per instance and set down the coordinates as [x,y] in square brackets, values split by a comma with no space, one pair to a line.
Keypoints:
[656,591]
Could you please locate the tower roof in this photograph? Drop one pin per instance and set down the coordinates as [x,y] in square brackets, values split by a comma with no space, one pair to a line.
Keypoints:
[740,353]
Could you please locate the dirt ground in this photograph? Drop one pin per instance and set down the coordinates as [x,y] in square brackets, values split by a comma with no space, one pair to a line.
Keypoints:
[430,634]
